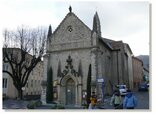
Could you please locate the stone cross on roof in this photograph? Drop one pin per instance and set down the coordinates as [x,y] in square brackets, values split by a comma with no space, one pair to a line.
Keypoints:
[70,9]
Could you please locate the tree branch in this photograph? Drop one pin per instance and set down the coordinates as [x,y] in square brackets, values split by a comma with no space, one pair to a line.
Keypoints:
[5,71]
[27,48]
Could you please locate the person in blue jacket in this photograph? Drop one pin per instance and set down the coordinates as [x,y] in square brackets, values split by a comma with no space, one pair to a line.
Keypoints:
[130,101]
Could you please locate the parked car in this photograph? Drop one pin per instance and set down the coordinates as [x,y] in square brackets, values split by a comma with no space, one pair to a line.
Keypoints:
[143,87]
[122,89]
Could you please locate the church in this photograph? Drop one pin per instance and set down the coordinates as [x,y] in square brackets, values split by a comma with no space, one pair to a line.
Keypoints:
[82,61]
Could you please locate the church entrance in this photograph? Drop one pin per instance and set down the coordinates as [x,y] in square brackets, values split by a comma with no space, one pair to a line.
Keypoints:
[70,92]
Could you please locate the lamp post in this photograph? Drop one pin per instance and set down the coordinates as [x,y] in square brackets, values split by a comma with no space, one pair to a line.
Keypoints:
[43,93]
[23,89]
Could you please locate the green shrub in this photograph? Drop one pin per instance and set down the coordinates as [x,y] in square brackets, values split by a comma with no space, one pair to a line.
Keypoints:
[38,103]
[49,87]
[31,105]
[53,106]
[60,106]
[57,106]
[89,86]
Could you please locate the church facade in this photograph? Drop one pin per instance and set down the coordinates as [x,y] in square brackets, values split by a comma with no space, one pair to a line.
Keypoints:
[82,61]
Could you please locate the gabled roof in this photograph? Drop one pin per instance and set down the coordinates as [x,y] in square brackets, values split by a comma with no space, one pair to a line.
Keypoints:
[105,43]
[146,69]
[116,44]
[137,59]
[128,47]
[68,15]
[110,44]
[108,40]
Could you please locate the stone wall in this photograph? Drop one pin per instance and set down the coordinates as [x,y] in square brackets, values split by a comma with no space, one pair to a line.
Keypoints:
[70,34]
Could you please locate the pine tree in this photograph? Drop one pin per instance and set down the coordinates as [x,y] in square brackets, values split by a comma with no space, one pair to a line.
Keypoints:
[89,86]
[49,90]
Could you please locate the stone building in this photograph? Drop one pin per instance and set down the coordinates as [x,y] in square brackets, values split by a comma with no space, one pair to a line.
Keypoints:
[75,53]
[33,87]
[137,71]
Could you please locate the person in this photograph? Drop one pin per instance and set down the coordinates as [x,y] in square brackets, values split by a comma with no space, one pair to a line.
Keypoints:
[116,100]
[130,101]
[93,100]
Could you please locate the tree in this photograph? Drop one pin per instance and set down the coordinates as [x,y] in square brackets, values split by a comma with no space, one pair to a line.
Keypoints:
[22,51]
[89,86]
[49,90]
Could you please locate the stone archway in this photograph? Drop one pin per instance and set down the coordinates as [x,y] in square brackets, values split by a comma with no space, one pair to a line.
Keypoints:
[70,86]
[70,92]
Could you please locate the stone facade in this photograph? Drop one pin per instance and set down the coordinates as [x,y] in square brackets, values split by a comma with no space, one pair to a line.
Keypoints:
[72,48]
[33,86]
[137,71]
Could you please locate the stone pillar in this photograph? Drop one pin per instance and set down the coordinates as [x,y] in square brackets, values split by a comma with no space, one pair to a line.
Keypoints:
[99,76]
[80,94]
[63,95]
[94,68]
[58,87]
[43,92]
[76,96]
[43,95]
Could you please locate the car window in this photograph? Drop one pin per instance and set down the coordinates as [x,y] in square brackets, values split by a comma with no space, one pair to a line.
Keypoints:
[121,87]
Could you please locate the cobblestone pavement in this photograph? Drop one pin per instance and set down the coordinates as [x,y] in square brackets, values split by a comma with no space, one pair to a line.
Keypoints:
[142,97]
[14,104]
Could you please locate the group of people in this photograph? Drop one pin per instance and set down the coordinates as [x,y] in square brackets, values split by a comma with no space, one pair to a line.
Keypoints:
[129,102]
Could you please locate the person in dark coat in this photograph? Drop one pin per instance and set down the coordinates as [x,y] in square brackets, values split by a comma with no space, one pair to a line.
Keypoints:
[130,101]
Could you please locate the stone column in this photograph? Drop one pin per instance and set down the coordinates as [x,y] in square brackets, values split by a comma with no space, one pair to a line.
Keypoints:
[100,75]
[80,94]
[43,95]
[94,68]
[76,96]
[79,91]
[58,87]
[43,92]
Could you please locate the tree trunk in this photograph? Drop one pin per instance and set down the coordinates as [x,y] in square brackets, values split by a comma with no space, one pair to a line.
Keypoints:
[20,94]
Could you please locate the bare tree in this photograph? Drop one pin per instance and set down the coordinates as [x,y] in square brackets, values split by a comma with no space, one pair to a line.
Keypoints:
[23,50]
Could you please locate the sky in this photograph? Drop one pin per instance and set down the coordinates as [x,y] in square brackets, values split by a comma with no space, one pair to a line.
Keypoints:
[127,21]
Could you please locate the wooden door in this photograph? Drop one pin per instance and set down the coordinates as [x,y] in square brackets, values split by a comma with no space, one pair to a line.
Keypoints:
[70,92]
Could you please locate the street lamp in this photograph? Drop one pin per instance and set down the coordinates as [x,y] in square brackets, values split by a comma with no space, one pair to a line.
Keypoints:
[44,84]
[23,89]
[43,96]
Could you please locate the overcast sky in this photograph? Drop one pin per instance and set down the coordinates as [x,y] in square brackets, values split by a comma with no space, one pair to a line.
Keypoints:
[126,21]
